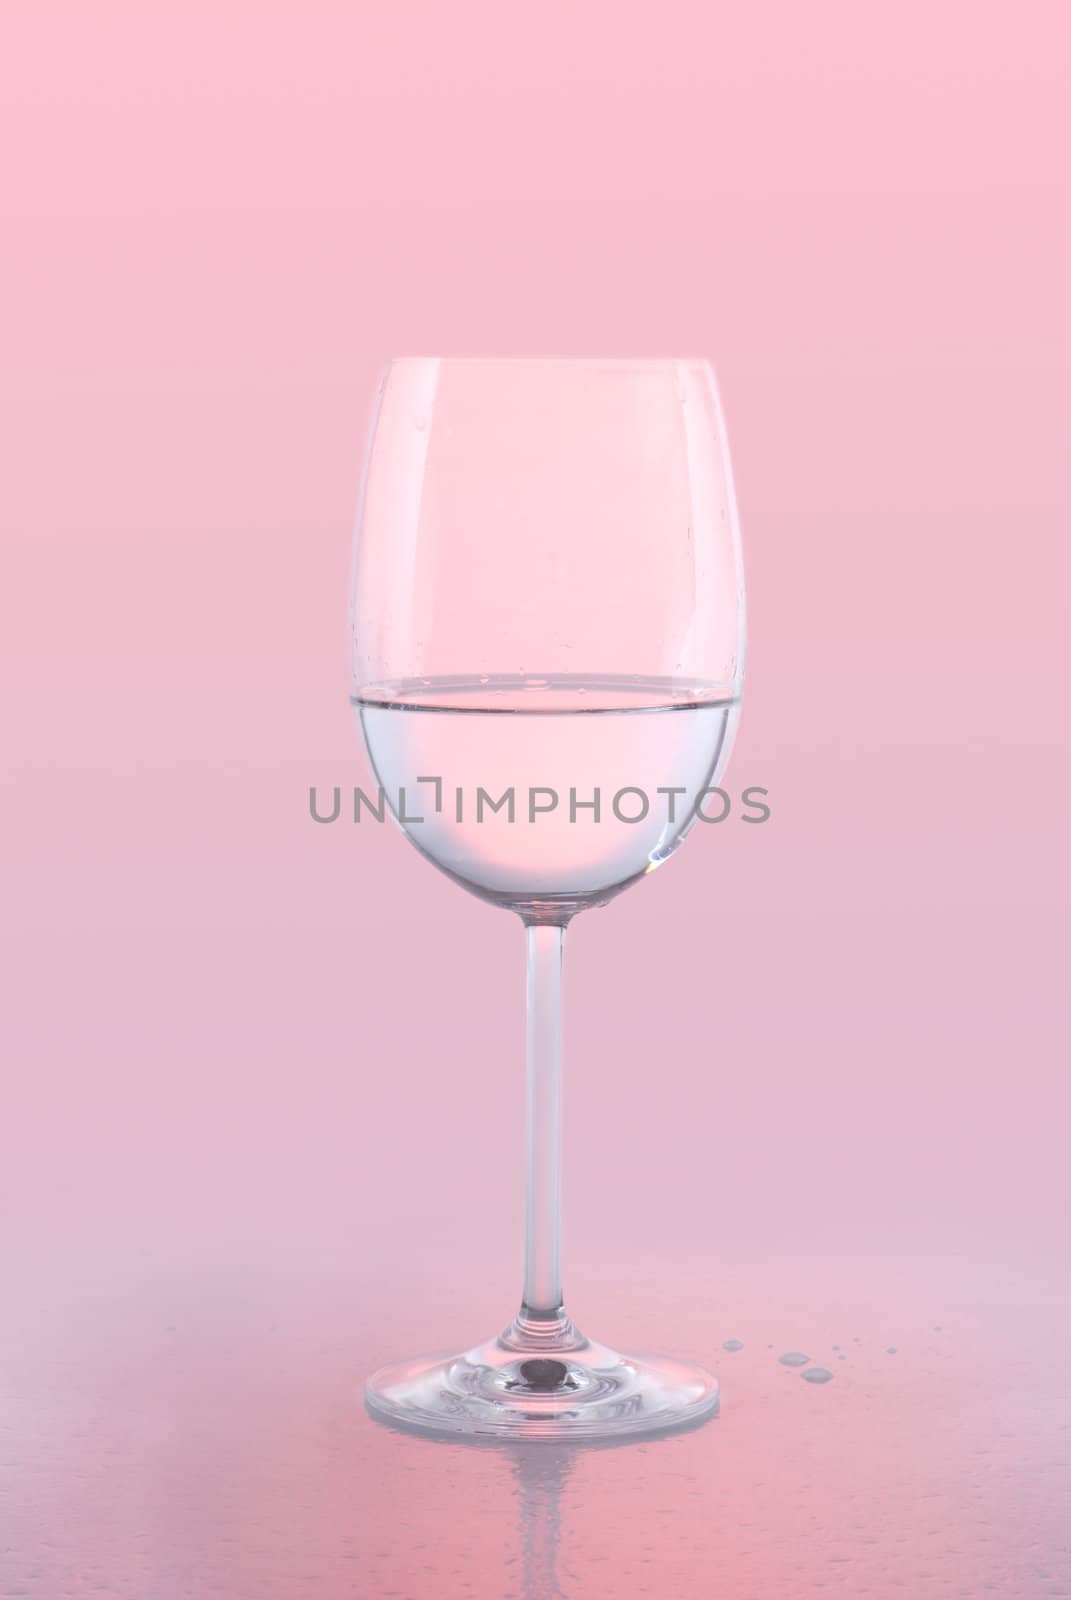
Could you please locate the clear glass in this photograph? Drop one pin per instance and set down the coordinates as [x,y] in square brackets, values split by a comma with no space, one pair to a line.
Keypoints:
[547,637]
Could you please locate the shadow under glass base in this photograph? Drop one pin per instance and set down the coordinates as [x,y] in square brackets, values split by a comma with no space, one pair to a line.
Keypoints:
[532,1384]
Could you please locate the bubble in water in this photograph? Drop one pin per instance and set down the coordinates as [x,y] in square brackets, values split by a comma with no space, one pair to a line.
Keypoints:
[890,1349]
[733,1345]
[793,1358]
[817,1375]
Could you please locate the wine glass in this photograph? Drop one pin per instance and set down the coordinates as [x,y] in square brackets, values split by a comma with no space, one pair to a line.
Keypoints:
[547,636]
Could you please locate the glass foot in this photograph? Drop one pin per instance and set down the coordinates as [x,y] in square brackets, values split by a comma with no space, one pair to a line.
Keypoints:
[516,1389]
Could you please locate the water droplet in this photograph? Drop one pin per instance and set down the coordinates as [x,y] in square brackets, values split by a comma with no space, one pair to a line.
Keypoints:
[842,1358]
[836,1347]
[937,1328]
[733,1345]
[817,1375]
[890,1349]
[793,1358]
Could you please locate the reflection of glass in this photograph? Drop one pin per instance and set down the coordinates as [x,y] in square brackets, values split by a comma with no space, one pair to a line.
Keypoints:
[541,1476]
[547,649]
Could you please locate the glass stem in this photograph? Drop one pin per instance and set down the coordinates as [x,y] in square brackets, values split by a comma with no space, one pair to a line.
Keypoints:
[541,1311]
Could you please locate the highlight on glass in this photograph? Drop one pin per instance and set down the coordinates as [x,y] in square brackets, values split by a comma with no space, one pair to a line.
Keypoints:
[547,595]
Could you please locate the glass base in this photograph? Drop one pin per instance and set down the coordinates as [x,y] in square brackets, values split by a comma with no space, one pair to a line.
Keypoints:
[524,1388]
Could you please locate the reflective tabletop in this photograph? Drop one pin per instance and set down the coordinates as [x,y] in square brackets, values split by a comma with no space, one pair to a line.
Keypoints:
[200,1433]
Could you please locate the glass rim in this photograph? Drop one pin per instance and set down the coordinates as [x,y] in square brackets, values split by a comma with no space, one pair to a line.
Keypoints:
[612,361]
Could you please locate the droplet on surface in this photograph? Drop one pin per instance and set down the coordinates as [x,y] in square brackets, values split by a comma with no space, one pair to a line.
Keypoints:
[817,1375]
[733,1345]
[890,1349]
[793,1358]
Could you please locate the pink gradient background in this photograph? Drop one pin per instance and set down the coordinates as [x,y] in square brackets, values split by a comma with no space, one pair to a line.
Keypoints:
[262,1098]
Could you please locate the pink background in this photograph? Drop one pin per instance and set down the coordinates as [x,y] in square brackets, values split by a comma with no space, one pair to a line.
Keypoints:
[267,1076]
